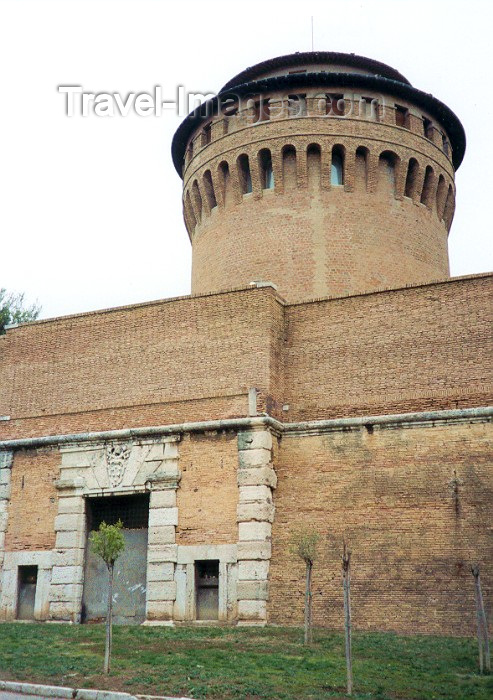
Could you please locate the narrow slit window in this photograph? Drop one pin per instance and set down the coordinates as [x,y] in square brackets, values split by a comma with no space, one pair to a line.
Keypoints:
[245,174]
[369,108]
[267,172]
[445,145]
[261,111]
[428,128]
[209,190]
[337,168]
[207,134]
[411,178]
[402,116]
[427,187]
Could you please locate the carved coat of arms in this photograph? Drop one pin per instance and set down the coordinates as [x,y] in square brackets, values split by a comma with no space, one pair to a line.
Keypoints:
[116,462]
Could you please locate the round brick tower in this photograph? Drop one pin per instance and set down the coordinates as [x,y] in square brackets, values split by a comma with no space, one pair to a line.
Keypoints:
[325,173]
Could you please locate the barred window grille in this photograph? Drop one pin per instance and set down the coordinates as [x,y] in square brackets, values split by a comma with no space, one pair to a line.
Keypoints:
[133,511]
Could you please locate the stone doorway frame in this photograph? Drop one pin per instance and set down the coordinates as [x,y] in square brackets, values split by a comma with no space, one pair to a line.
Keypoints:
[115,468]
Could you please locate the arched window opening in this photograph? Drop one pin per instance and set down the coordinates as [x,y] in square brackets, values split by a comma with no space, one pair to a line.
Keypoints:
[427,187]
[289,167]
[441,196]
[337,166]
[225,182]
[411,178]
[445,145]
[266,171]
[402,116]
[189,215]
[369,108]
[207,134]
[361,167]
[387,166]
[428,128]
[313,164]
[209,190]
[244,174]
[448,213]
[197,200]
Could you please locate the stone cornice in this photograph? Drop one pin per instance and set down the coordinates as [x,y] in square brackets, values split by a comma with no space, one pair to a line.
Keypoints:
[407,420]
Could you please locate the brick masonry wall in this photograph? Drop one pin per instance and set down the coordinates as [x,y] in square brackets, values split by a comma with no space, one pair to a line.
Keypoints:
[208,492]
[399,351]
[411,349]
[415,507]
[34,501]
[155,363]
[308,237]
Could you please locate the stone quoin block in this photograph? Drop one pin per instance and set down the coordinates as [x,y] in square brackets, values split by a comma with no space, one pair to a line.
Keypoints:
[163,516]
[161,571]
[163,499]
[252,570]
[161,590]
[162,553]
[255,493]
[255,439]
[254,550]
[161,535]
[255,511]
[253,590]
[254,531]
[252,610]
[159,609]
[257,476]
[66,574]
[258,457]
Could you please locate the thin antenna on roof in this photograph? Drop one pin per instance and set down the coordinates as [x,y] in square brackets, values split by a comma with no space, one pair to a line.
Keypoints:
[312,32]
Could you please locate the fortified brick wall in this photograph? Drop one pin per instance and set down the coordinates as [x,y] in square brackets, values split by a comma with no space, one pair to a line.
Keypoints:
[208,494]
[414,505]
[33,501]
[415,349]
[166,362]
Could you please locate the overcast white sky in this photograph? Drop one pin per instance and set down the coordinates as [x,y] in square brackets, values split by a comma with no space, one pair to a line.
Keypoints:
[90,213]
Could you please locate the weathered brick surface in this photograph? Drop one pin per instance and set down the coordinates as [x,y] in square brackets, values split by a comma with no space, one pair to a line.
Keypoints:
[328,240]
[420,348]
[151,364]
[412,532]
[34,500]
[399,351]
[208,492]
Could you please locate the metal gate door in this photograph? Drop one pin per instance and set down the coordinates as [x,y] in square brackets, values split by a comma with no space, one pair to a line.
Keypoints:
[129,590]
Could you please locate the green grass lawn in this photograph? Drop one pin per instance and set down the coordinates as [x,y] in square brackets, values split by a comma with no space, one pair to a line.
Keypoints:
[248,663]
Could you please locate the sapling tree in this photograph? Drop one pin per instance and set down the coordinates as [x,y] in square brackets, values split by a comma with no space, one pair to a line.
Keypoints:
[108,543]
[482,623]
[304,545]
[346,586]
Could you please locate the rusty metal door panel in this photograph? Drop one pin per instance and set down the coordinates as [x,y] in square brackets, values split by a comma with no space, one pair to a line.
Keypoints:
[27,577]
[207,603]
[129,595]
